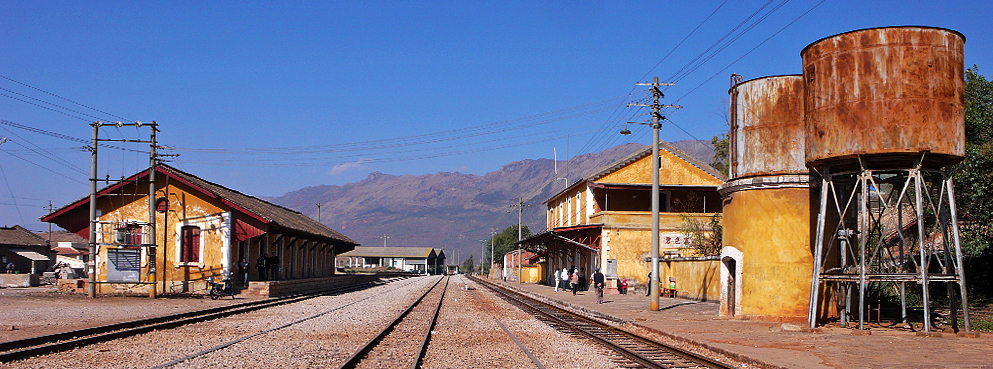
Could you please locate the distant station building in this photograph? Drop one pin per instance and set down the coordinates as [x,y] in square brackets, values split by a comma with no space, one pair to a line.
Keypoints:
[23,251]
[425,260]
[68,248]
[604,221]
[202,229]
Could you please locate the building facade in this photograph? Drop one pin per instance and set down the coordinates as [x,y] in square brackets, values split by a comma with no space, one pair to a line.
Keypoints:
[201,230]
[603,221]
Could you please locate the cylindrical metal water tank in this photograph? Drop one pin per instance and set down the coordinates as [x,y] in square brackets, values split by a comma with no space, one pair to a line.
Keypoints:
[767,217]
[885,94]
[767,131]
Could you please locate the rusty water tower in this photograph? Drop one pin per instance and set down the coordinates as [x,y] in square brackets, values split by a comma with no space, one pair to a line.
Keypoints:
[884,124]
[767,213]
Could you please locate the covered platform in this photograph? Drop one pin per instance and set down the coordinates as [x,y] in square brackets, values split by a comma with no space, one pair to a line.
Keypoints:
[774,344]
[564,247]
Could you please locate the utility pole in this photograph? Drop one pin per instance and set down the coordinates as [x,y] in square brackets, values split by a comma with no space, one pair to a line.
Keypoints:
[319,212]
[50,209]
[492,246]
[385,237]
[520,205]
[91,267]
[653,285]
[482,255]
[95,222]
[152,164]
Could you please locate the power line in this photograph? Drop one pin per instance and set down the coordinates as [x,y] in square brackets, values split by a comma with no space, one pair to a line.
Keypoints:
[46,102]
[63,98]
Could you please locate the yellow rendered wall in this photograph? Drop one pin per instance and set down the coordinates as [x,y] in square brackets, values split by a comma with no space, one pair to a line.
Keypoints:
[184,205]
[695,279]
[673,170]
[564,211]
[627,237]
[772,229]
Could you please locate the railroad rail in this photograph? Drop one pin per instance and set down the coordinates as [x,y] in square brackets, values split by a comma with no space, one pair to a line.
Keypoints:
[634,349]
[368,351]
[58,342]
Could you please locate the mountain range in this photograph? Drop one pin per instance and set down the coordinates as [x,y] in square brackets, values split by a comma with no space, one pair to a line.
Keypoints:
[452,210]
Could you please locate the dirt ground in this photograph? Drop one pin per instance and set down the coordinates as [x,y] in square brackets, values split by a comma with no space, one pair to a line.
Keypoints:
[36,311]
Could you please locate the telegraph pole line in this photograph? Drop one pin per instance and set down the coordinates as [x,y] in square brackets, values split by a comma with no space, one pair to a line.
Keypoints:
[385,237]
[95,222]
[657,117]
[520,205]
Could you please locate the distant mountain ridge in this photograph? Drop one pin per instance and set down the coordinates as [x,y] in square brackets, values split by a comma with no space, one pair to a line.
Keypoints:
[451,210]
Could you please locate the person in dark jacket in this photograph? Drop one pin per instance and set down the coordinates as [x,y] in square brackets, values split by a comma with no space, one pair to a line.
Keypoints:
[598,285]
[243,272]
[261,268]
[272,263]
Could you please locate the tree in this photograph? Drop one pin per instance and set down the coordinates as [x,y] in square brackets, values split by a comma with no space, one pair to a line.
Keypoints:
[468,265]
[974,175]
[721,149]
[705,239]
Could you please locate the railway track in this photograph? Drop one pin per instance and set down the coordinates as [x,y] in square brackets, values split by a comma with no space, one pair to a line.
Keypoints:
[391,347]
[632,350]
[54,343]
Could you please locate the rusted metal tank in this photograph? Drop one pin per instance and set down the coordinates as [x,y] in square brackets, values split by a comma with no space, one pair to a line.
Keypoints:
[886,94]
[767,129]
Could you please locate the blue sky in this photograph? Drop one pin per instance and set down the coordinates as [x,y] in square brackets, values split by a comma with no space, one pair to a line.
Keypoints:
[267,98]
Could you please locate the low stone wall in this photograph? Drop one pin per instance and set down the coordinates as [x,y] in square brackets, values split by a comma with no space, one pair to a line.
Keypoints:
[295,286]
[19,280]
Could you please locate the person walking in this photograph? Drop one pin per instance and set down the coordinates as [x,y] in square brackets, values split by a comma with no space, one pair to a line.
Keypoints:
[598,286]
[574,279]
[243,272]
[564,279]
[261,268]
[648,290]
[558,278]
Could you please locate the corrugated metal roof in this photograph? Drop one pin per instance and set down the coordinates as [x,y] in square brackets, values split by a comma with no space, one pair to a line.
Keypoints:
[29,254]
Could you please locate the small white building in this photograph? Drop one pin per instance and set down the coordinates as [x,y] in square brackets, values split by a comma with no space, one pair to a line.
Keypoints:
[425,260]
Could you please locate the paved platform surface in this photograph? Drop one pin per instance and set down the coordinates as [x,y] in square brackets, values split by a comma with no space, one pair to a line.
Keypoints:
[767,343]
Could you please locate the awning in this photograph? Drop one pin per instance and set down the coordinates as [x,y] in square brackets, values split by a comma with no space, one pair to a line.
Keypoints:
[29,254]
[543,241]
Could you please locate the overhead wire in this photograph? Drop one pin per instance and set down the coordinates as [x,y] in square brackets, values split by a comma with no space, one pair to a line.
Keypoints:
[752,49]
[63,98]
[603,138]
[11,191]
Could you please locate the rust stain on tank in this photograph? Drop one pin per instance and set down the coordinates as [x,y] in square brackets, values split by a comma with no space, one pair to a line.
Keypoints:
[895,91]
[768,127]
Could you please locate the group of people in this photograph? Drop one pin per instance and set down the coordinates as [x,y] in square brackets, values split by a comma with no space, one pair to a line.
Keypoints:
[576,280]
[268,268]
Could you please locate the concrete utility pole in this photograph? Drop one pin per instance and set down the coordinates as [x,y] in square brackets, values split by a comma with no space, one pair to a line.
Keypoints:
[94,222]
[385,237]
[653,285]
[492,246]
[91,267]
[319,212]
[152,164]
[520,205]
[482,255]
